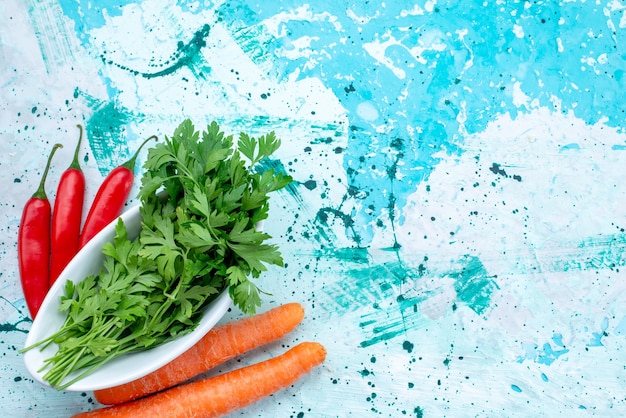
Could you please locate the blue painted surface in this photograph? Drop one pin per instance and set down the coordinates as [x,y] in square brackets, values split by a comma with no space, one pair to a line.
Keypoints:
[456,227]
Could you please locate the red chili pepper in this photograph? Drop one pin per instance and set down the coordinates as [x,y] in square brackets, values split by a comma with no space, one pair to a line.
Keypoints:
[110,198]
[67,215]
[33,244]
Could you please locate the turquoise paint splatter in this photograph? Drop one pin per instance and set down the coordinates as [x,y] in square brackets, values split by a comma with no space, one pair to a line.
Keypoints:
[368,283]
[105,129]
[496,169]
[436,81]
[419,412]
[53,39]
[190,7]
[256,42]
[474,286]
[547,355]
[568,147]
[408,346]
[366,286]
[325,216]
[382,325]
[516,388]
[350,255]
[380,286]
[596,339]
[186,55]
[13,327]
[597,252]
[442,85]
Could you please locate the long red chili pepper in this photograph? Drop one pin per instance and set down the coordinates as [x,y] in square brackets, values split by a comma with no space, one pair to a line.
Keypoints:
[67,215]
[110,198]
[33,244]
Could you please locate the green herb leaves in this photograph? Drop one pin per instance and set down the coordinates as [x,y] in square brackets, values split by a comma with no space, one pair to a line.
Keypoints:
[201,203]
[255,150]
[215,202]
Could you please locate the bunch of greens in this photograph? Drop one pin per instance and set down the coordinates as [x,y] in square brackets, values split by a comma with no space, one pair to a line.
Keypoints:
[201,202]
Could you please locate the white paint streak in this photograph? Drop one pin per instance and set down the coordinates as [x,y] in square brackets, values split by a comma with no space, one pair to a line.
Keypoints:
[377,50]
[367,111]
[519,97]
[415,11]
[429,6]
[361,20]
[56,45]
[302,13]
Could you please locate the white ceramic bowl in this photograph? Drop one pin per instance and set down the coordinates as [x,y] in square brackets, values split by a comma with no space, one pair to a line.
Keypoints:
[124,368]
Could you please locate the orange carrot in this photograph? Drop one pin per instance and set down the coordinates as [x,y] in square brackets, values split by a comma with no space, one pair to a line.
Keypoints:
[225,393]
[219,345]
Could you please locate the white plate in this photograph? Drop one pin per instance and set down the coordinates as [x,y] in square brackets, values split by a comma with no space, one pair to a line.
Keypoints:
[124,368]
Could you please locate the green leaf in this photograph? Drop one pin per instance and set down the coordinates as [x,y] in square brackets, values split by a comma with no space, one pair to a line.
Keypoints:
[246,297]
[150,184]
[121,234]
[101,346]
[235,275]
[253,199]
[255,150]
[256,256]
[268,144]
[131,306]
[243,233]
[146,283]
[247,146]
[196,236]
[218,219]
[231,200]
[200,202]
[66,304]
[159,245]
[159,156]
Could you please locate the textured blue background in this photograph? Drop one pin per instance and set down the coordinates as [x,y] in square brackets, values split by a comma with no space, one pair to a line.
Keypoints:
[456,224]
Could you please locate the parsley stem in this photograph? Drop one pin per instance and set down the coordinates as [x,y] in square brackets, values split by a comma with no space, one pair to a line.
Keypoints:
[181,166]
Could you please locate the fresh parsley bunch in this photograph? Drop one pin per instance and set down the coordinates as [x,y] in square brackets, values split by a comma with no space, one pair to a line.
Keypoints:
[201,204]
[207,228]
